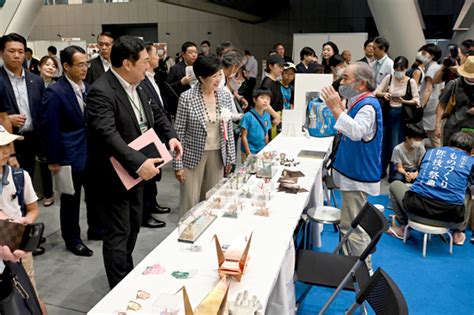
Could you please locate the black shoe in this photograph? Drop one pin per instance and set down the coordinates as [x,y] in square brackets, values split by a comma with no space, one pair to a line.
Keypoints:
[43,240]
[160,210]
[39,251]
[80,250]
[153,223]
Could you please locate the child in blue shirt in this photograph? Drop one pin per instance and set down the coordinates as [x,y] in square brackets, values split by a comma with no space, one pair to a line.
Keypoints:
[286,85]
[255,124]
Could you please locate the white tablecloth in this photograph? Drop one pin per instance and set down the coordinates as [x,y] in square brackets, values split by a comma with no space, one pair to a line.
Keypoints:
[269,273]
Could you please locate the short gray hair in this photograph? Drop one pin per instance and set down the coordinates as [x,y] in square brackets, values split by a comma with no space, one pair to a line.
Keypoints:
[232,57]
[362,71]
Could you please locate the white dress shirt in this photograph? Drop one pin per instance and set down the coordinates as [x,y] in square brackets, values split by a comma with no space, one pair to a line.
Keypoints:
[79,90]
[21,96]
[382,67]
[134,99]
[105,63]
[151,77]
[362,127]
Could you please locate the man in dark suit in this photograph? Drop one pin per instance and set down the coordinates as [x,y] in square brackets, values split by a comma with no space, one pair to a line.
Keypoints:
[151,208]
[23,95]
[118,112]
[63,129]
[177,77]
[101,64]
[369,53]
[31,64]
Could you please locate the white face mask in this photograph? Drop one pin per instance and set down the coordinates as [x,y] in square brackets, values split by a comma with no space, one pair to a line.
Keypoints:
[205,49]
[425,59]
[234,84]
[415,143]
[399,74]
[160,52]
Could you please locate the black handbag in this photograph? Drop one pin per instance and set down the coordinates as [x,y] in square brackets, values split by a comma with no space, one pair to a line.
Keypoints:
[411,114]
[17,295]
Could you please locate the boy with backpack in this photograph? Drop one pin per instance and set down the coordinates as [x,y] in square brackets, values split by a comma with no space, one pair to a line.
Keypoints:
[255,124]
[17,196]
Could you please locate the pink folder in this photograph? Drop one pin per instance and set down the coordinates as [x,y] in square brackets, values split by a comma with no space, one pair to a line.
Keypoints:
[137,144]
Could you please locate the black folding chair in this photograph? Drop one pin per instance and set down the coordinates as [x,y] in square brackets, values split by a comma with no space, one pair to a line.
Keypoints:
[383,295]
[336,271]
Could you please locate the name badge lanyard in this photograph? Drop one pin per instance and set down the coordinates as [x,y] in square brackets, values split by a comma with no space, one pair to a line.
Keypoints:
[141,123]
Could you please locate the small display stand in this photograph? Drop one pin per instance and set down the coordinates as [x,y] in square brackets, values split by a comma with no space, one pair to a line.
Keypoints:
[194,223]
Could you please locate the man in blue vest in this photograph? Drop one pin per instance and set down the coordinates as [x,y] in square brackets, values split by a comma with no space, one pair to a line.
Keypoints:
[358,158]
[439,195]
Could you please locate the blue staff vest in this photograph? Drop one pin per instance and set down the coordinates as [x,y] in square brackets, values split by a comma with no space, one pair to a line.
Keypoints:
[361,160]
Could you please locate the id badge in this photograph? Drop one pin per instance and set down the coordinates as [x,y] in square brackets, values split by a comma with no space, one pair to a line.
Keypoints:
[143,127]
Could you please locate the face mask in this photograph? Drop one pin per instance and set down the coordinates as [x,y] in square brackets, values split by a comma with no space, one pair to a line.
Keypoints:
[425,59]
[205,49]
[160,52]
[234,84]
[416,143]
[347,90]
[399,74]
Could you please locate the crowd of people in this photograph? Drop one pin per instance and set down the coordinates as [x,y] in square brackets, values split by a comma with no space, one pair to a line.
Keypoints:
[71,111]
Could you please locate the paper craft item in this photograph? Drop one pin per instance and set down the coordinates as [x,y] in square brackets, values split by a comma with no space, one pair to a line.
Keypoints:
[291,188]
[232,262]
[312,154]
[292,174]
[214,303]
[62,180]
[142,142]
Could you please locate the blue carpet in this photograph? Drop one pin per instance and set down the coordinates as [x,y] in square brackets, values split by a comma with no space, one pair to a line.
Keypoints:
[437,284]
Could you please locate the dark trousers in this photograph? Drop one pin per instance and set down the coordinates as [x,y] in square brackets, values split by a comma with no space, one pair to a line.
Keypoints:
[46,180]
[121,215]
[251,83]
[149,198]
[69,212]
[393,134]
[26,152]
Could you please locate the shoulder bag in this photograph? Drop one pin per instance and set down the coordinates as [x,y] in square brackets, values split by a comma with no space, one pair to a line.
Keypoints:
[17,295]
[412,114]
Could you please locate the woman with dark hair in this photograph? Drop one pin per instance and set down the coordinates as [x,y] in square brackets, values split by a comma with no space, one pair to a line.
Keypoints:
[208,139]
[48,67]
[396,90]
[329,49]
[308,61]
[271,82]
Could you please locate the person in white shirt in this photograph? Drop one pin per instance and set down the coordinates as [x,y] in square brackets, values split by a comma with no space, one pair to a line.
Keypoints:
[383,64]
[10,208]
[430,54]
[358,158]
[151,208]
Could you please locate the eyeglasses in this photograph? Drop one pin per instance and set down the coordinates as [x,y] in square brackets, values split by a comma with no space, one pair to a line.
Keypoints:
[83,65]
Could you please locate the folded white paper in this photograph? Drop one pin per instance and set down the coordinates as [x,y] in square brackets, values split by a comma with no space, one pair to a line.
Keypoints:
[62,181]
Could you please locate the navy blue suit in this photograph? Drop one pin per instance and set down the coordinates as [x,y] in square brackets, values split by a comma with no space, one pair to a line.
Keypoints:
[26,149]
[63,130]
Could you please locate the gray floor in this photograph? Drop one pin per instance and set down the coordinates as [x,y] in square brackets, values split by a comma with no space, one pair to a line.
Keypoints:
[71,285]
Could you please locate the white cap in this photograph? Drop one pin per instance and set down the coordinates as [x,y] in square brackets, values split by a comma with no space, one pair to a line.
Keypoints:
[6,137]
